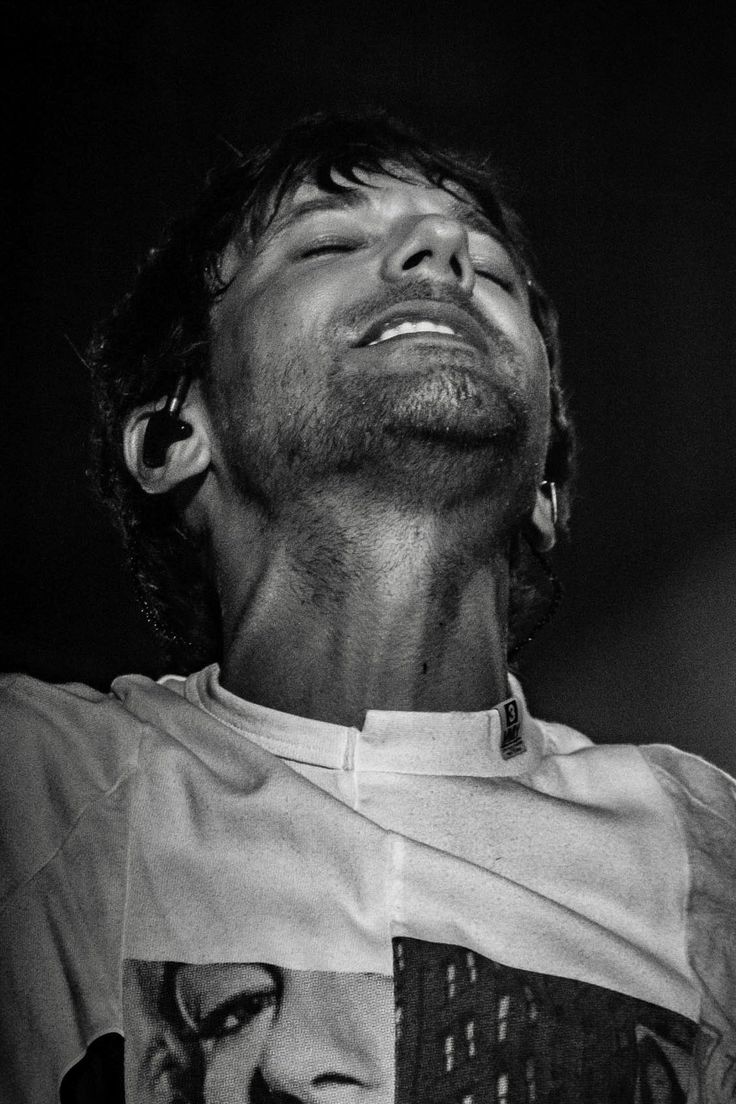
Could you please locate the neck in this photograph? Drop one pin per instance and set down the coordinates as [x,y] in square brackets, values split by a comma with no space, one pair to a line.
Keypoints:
[368,612]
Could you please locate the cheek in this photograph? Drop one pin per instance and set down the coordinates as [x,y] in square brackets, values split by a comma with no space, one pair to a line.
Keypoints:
[534,356]
[293,315]
[284,321]
[230,1065]
[531,370]
[252,344]
[539,391]
[540,370]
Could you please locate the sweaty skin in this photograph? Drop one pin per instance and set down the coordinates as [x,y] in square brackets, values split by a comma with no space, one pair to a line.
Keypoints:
[360,494]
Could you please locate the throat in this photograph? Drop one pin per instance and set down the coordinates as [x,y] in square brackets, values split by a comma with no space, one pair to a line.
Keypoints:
[392,634]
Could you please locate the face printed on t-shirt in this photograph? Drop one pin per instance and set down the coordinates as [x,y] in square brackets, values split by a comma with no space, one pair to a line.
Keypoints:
[222,1033]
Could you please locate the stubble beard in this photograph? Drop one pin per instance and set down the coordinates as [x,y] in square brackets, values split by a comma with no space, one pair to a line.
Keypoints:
[442,437]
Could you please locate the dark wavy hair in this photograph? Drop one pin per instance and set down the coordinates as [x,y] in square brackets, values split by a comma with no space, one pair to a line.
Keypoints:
[160,331]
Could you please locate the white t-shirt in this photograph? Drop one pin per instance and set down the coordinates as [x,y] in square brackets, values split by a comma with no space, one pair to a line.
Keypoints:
[189,869]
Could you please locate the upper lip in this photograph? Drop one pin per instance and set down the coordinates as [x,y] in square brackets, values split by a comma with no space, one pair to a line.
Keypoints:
[459,320]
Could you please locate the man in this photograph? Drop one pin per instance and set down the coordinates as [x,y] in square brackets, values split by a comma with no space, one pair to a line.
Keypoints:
[332,431]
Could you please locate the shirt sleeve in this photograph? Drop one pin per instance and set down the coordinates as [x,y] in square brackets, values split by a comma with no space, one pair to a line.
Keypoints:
[68,757]
[704,799]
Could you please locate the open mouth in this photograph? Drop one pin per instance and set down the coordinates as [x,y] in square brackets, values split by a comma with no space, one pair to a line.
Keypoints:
[403,328]
[425,317]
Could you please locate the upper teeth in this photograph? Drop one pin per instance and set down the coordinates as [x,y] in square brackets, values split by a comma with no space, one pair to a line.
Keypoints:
[423,326]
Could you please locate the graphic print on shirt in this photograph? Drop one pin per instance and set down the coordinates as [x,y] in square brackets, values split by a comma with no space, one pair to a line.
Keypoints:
[252,1033]
[471,1031]
[452,1027]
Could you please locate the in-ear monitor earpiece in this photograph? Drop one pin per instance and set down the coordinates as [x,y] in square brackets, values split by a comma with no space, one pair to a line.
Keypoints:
[165,426]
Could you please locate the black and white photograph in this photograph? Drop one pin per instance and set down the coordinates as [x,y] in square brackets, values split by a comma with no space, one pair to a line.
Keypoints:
[221,1032]
[369,554]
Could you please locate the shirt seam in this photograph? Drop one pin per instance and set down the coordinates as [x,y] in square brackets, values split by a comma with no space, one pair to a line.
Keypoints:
[26,882]
[702,806]
[657,772]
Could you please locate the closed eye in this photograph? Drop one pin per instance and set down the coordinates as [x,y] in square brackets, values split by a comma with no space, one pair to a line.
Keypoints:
[324,248]
[495,277]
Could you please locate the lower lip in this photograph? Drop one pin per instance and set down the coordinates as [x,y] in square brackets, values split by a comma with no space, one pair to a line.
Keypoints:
[428,338]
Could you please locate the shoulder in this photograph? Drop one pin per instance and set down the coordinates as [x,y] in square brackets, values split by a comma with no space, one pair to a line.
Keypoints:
[692,779]
[72,741]
[704,800]
[560,739]
[65,753]
[65,727]
[698,796]
[684,777]
[656,783]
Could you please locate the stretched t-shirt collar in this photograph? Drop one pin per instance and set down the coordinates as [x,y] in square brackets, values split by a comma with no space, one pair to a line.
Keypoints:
[503,741]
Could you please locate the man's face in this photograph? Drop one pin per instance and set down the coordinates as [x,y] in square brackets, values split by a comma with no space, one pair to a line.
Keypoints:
[381,335]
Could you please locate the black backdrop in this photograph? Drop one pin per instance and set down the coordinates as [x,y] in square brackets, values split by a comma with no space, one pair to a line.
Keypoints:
[619,122]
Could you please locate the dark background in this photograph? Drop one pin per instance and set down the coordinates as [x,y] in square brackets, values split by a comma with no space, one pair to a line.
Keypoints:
[618,121]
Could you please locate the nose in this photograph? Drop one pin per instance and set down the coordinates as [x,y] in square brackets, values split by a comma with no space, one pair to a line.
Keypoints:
[332,1041]
[435,247]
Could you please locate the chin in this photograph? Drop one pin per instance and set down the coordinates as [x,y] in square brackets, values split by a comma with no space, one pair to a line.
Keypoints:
[440,435]
[436,439]
[440,469]
[460,410]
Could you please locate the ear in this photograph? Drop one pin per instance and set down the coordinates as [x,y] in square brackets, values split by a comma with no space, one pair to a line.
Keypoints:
[184,458]
[541,526]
